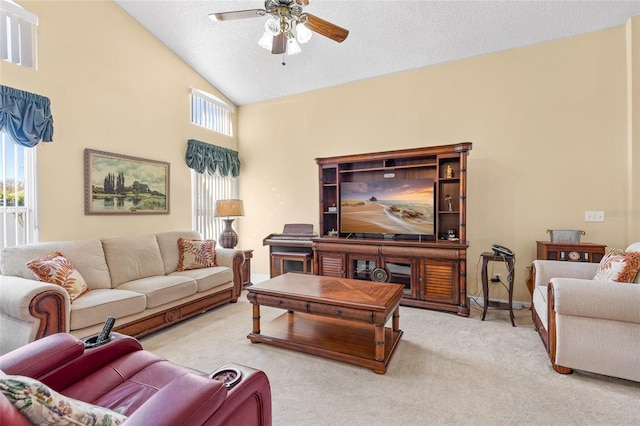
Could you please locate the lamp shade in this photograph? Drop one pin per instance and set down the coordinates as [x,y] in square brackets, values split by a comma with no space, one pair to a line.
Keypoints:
[227,208]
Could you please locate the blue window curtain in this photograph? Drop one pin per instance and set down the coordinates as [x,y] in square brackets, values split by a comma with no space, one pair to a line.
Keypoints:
[25,116]
[203,157]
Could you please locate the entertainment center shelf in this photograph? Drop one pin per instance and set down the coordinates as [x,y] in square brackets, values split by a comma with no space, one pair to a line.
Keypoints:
[397,216]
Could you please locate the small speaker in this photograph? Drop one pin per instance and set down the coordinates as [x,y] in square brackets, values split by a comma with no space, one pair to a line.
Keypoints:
[379,275]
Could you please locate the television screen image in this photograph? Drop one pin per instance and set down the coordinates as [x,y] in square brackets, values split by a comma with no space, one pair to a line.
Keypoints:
[398,206]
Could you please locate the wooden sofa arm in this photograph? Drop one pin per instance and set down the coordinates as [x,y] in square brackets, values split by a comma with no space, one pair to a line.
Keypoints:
[552,332]
[44,305]
[599,300]
[48,307]
[233,259]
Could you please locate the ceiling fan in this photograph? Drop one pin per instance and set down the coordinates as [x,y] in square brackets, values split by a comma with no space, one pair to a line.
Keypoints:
[287,25]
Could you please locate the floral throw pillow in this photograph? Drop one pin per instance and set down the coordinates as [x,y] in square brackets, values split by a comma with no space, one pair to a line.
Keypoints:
[54,268]
[621,267]
[44,406]
[196,254]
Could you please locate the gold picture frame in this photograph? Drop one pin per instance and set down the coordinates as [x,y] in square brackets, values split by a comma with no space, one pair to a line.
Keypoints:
[116,184]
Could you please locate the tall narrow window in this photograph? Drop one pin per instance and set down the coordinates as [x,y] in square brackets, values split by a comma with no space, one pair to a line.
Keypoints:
[25,121]
[18,34]
[18,210]
[207,189]
[214,177]
[210,112]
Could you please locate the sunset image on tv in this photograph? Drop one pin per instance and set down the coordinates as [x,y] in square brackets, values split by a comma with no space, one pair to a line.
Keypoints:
[387,207]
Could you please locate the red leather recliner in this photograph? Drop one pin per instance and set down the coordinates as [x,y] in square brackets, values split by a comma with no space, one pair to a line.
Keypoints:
[121,376]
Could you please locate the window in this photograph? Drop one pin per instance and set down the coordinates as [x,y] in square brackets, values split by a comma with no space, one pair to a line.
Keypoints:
[18,209]
[206,190]
[18,31]
[214,177]
[210,112]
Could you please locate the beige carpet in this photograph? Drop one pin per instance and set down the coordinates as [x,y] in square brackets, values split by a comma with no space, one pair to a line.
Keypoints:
[446,370]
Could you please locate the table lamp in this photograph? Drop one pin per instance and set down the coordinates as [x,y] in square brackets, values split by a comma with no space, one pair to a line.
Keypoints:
[228,208]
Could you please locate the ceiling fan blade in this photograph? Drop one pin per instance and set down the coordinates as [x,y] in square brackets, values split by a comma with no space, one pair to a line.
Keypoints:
[279,44]
[326,28]
[237,14]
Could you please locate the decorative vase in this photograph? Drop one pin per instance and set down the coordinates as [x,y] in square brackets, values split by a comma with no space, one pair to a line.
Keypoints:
[228,238]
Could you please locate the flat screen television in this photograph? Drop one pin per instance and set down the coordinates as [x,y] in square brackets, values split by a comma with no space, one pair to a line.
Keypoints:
[391,206]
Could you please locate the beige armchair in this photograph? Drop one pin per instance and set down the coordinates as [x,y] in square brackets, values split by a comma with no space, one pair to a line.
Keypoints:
[586,324]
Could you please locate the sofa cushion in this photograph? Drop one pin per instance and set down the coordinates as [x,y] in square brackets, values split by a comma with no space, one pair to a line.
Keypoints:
[162,289]
[208,278]
[94,307]
[42,405]
[196,254]
[87,256]
[168,243]
[54,268]
[132,258]
[620,267]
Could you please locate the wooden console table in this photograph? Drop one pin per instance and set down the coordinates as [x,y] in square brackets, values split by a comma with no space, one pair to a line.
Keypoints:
[368,239]
[433,273]
[574,252]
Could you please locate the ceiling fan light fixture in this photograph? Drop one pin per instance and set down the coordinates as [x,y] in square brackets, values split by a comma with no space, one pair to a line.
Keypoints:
[303,34]
[287,25]
[266,41]
[272,26]
[293,47]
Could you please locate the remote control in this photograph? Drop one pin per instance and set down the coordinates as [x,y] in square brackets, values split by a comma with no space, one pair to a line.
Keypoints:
[106,330]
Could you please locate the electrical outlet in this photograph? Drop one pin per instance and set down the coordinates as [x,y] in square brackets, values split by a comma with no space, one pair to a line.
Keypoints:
[495,278]
[594,216]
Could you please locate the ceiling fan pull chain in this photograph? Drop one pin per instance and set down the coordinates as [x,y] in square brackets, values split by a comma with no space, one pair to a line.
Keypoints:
[283,62]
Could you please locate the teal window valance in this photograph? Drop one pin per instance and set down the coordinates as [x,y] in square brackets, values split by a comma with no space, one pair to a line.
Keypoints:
[25,116]
[203,157]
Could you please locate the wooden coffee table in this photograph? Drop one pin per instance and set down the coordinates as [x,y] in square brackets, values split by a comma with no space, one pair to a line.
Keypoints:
[337,318]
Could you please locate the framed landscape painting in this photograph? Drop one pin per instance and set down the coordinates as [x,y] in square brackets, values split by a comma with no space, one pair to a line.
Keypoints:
[119,184]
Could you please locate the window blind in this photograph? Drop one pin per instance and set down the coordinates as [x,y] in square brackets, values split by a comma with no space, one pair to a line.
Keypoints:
[211,112]
[18,34]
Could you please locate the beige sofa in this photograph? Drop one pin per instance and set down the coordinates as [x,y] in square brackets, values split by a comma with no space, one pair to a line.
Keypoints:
[133,278]
[585,324]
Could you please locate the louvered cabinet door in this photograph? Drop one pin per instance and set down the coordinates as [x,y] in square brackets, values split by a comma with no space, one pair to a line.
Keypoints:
[439,281]
[331,264]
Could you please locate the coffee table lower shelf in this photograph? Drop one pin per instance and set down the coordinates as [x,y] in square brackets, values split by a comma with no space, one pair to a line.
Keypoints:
[338,339]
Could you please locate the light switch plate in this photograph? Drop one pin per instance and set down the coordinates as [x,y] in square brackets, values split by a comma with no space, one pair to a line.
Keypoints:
[594,216]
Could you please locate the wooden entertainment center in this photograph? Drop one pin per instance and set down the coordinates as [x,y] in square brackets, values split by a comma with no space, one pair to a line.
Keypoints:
[432,267]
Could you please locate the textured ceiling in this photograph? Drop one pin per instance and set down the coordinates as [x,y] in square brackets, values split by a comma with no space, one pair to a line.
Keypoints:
[385,36]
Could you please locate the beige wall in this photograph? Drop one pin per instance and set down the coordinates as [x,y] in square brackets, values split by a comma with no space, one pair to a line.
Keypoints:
[633,123]
[549,125]
[113,87]
[554,128]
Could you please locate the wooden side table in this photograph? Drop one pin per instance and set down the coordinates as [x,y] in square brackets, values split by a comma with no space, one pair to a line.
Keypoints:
[510,261]
[245,269]
[573,252]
